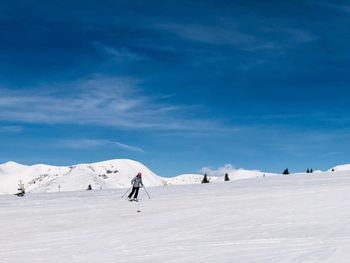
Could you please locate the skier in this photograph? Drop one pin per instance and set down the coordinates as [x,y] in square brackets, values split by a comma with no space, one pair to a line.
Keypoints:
[136,183]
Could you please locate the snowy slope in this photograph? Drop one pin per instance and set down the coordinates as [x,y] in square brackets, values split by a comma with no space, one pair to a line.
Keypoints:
[101,175]
[237,174]
[296,218]
[240,174]
[188,179]
[344,167]
[105,175]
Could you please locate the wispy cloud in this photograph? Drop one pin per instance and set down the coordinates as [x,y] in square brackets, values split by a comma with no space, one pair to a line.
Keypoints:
[218,35]
[98,100]
[11,129]
[96,143]
[128,147]
[123,54]
[299,35]
[229,34]
[342,7]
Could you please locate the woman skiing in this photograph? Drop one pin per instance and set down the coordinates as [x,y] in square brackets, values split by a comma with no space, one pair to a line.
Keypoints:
[136,183]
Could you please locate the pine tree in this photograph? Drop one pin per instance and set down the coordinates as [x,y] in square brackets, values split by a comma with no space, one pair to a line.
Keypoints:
[286,171]
[89,187]
[205,179]
[226,177]
[311,171]
[307,171]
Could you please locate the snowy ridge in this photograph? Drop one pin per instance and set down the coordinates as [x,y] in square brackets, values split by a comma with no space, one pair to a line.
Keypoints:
[240,174]
[110,174]
[101,175]
[344,167]
[188,179]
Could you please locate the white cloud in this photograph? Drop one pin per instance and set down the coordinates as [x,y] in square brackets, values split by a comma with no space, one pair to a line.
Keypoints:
[128,147]
[11,129]
[96,143]
[98,100]
[233,172]
[118,54]
[218,35]
[228,33]
[227,168]
[343,7]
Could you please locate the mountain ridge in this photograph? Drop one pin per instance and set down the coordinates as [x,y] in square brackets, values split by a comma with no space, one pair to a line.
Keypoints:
[109,174]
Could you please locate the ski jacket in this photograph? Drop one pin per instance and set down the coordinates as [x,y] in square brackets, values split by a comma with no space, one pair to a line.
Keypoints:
[137,182]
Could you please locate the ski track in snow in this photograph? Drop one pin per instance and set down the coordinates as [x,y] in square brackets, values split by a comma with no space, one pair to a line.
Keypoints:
[297,218]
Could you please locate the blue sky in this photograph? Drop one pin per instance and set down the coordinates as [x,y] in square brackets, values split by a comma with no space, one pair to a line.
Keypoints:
[177,85]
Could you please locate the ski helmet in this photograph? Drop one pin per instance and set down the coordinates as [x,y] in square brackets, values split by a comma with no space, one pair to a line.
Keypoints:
[139,174]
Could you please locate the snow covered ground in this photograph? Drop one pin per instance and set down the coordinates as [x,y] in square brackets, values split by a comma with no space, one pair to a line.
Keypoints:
[296,218]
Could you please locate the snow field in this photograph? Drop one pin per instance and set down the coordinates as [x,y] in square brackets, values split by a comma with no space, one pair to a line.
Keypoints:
[297,218]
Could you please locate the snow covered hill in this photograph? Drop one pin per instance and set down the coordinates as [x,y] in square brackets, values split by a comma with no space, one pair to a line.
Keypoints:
[344,167]
[297,218]
[240,174]
[102,175]
[188,179]
[105,175]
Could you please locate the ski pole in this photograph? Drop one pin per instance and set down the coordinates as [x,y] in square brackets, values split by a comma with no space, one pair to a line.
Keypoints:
[146,192]
[125,193]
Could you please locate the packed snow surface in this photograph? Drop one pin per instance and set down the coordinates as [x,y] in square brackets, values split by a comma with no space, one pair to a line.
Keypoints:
[295,218]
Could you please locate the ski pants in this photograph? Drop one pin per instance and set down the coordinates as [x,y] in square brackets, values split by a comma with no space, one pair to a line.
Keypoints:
[134,190]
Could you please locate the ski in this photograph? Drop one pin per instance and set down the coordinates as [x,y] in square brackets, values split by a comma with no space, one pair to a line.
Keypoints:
[134,200]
